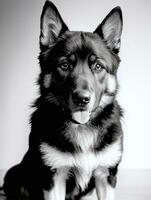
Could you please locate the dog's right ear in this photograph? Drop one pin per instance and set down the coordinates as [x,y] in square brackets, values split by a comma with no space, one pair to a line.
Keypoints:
[51,25]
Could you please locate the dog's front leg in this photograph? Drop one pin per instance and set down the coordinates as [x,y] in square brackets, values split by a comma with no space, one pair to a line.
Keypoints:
[103,189]
[58,191]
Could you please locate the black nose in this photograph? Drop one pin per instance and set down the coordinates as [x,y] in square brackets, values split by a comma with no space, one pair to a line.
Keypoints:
[81,98]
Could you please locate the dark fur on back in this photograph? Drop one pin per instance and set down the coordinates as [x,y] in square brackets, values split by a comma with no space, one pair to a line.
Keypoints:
[77,69]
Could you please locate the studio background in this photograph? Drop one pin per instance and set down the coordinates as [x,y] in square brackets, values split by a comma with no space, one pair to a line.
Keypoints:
[19,48]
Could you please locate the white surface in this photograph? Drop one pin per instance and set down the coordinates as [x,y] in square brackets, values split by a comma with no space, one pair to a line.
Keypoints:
[19,21]
[134,185]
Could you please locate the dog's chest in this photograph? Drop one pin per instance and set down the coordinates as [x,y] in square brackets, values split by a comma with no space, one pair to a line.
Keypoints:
[83,138]
[85,161]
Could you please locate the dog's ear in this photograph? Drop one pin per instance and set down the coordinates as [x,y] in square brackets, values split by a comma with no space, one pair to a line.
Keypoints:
[111,28]
[51,25]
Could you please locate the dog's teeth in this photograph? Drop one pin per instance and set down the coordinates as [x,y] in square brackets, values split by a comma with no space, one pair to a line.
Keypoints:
[81,117]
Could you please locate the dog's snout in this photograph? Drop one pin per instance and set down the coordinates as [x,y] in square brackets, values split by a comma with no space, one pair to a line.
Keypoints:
[81,98]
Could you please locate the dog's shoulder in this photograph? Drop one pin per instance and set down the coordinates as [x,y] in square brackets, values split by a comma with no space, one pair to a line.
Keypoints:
[109,124]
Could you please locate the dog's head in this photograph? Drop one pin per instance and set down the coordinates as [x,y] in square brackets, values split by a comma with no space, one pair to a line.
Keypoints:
[78,69]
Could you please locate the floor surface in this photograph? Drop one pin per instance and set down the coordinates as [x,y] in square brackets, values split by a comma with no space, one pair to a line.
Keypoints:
[132,185]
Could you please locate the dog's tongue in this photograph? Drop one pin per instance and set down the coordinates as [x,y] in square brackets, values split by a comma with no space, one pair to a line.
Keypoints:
[81,117]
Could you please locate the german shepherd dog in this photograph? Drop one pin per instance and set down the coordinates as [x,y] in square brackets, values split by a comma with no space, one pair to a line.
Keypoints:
[75,144]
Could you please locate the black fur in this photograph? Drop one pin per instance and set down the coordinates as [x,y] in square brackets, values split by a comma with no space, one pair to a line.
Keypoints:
[52,118]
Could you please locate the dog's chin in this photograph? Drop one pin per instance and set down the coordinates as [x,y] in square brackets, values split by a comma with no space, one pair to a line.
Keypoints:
[81,116]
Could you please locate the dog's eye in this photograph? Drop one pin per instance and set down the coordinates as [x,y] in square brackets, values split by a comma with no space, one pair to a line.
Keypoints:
[64,66]
[98,67]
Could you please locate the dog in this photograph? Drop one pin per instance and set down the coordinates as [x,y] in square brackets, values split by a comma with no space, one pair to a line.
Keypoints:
[76,138]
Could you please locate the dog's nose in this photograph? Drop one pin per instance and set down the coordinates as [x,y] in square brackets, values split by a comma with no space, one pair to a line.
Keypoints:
[81,98]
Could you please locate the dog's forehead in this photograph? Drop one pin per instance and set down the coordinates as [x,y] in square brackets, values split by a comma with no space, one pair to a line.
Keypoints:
[81,44]
[84,43]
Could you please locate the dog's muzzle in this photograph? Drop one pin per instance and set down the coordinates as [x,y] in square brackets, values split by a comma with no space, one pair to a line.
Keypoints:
[81,100]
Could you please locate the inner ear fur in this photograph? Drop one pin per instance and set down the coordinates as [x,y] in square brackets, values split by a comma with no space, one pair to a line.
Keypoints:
[51,25]
[111,29]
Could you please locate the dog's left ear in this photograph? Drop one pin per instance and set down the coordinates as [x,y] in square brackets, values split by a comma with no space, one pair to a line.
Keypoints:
[51,25]
[111,28]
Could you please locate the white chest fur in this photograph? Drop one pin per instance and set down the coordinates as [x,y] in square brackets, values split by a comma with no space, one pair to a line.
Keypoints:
[85,162]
